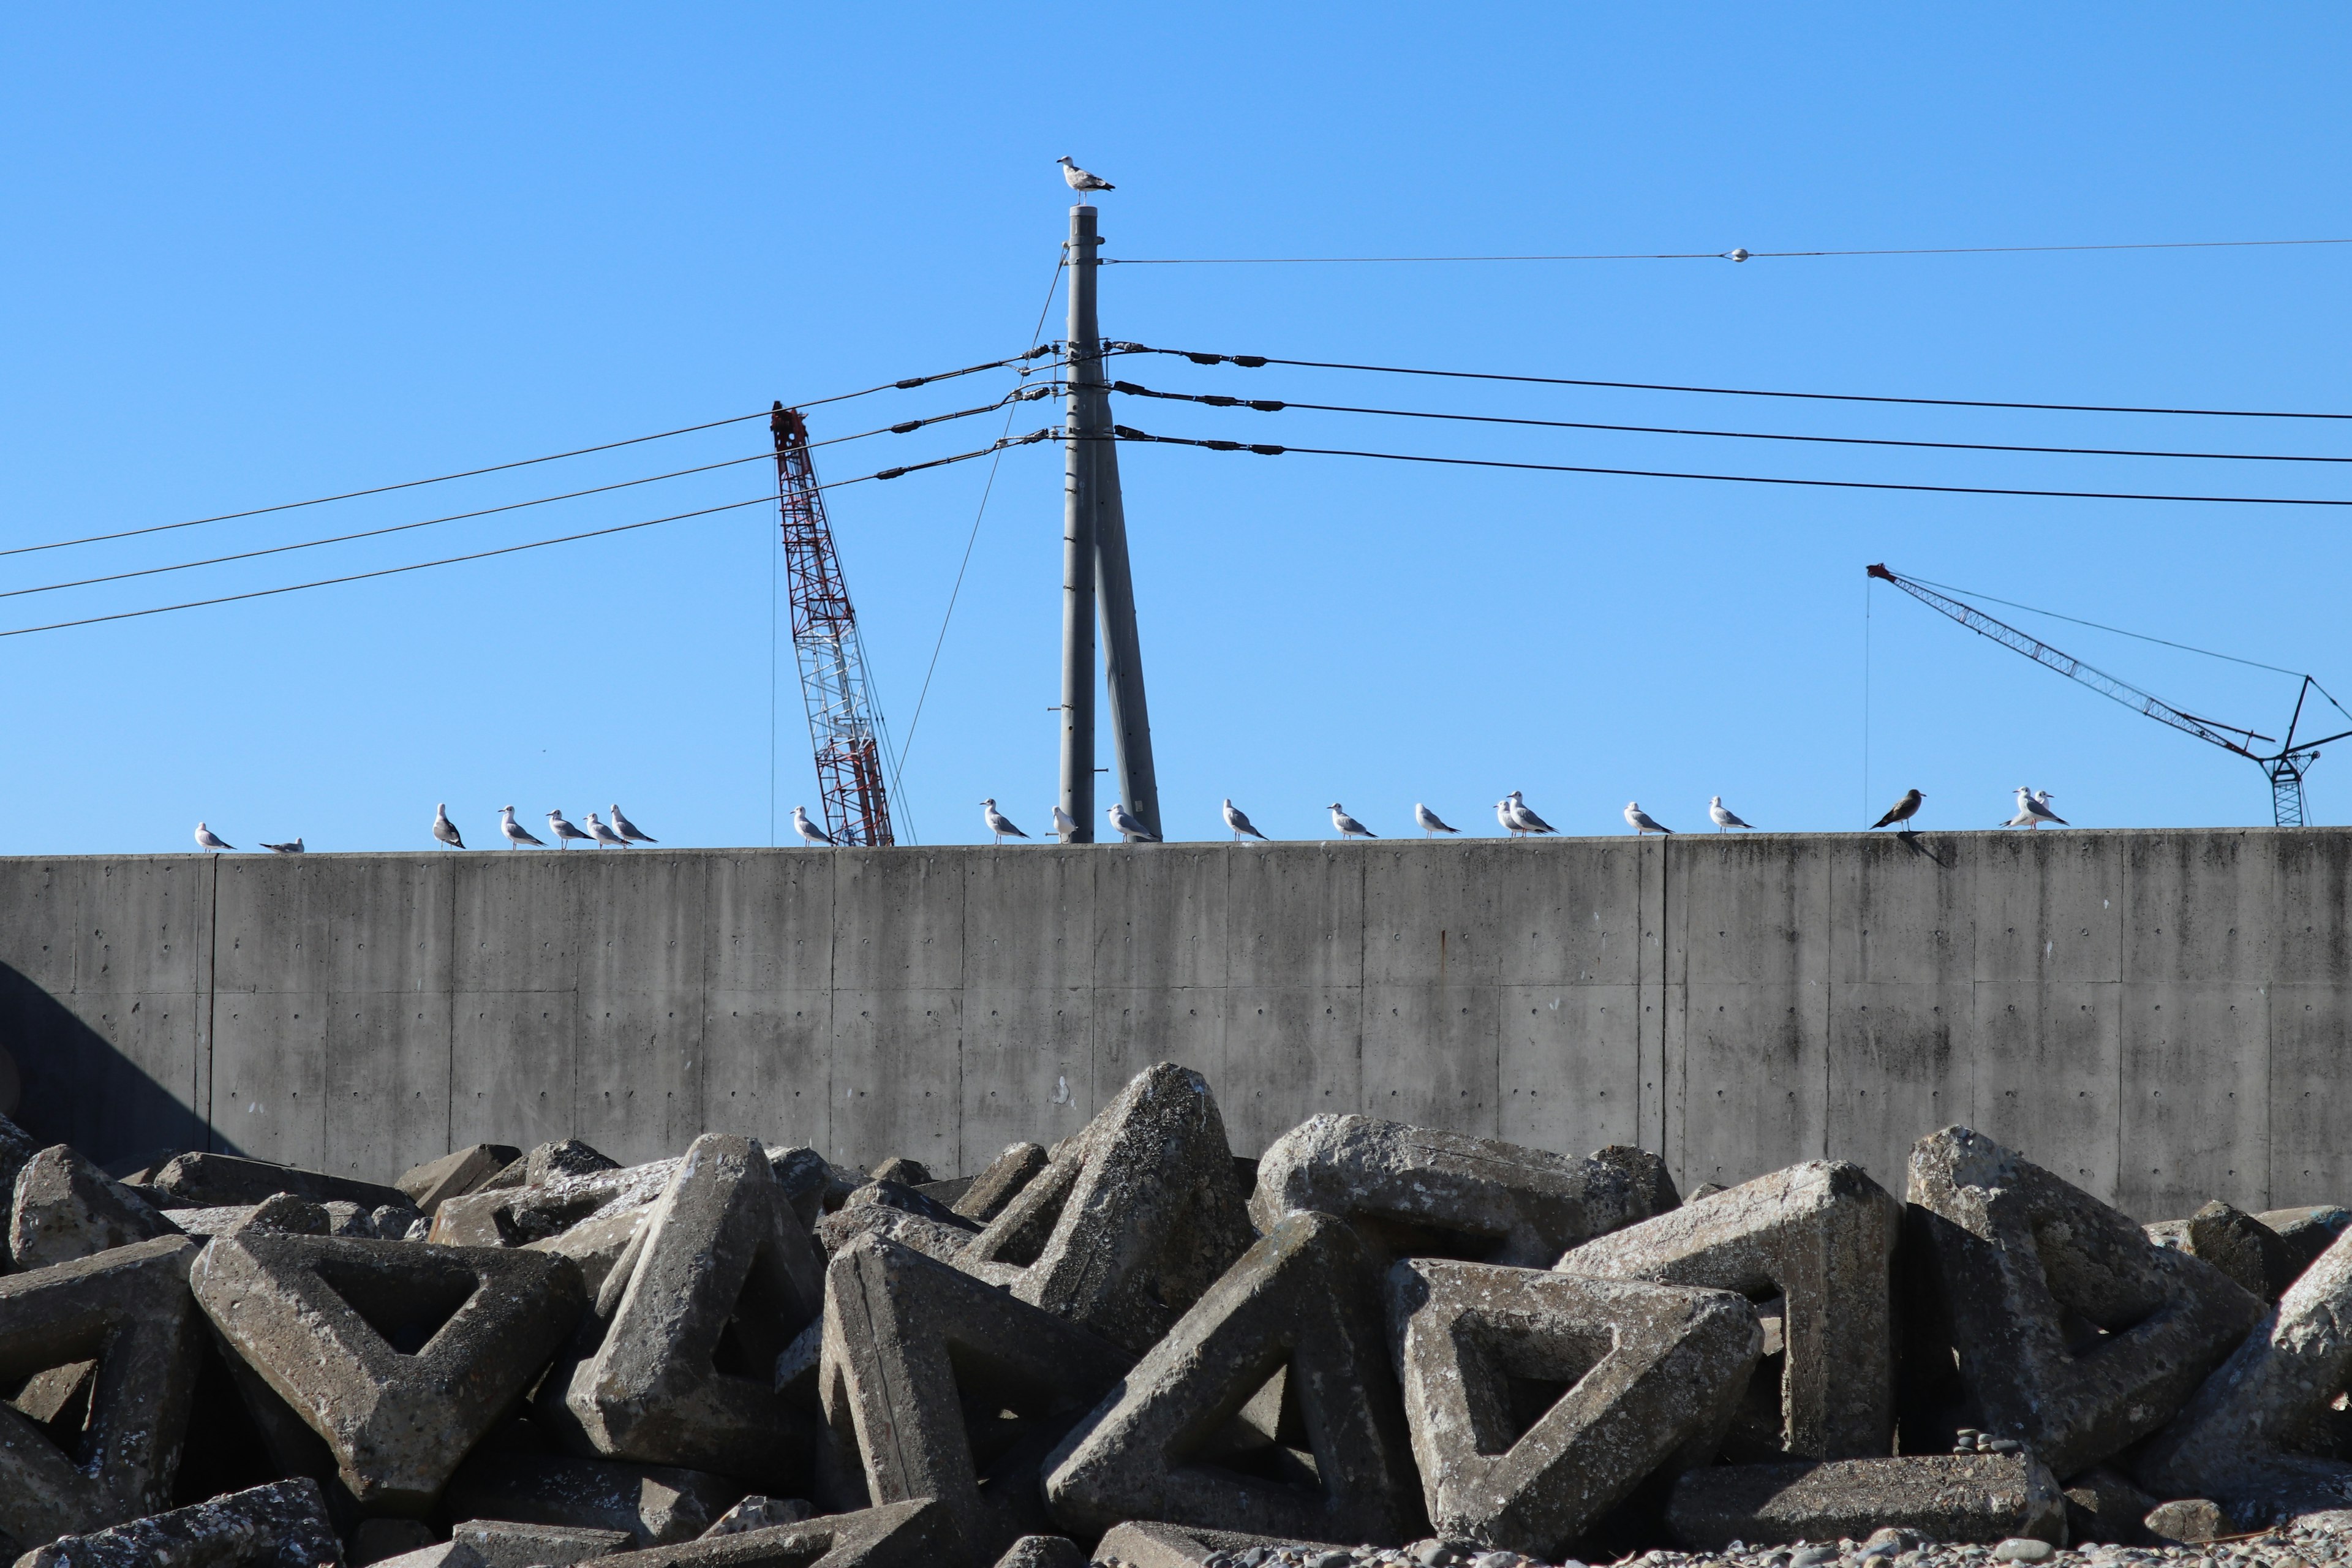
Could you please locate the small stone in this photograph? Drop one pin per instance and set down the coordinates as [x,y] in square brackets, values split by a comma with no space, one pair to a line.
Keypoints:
[2191,1521]
[2023,1549]
[1341,1560]
[1813,1556]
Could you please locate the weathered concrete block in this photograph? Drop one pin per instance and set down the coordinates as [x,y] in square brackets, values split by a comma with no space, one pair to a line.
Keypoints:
[1200,1433]
[901,1170]
[519,1215]
[2188,1521]
[1002,1181]
[2306,1232]
[281,1525]
[1147,1544]
[598,1244]
[16,1146]
[64,1207]
[511,1543]
[815,1184]
[656,1505]
[1124,1235]
[905,1199]
[758,1512]
[1538,1401]
[2103,1505]
[2233,1441]
[723,1279]
[454,1174]
[1420,1191]
[128,1311]
[349,1219]
[1819,1236]
[953,1389]
[567,1157]
[948,1242]
[216,1180]
[919,1534]
[2025,1265]
[2234,1242]
[434,1554]
[1968,1498]
[399,1356]
[1044,1552]
[281,1214]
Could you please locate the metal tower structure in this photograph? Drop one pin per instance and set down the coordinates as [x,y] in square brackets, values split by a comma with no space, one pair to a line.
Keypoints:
[2284,767]
[845,725]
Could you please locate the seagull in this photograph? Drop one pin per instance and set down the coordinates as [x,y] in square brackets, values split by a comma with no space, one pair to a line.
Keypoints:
[1347,826]
[1723,817]
[1430,823]
[1642,822]
[1526,820]
[1079,179]
[1066,827]
[1503,815]
[998,823]
[564,832]
[1238,820]
[208,839]
[630,830]
[604,835]
[1903,810]
[517,834]
[293,848]
[1128,825]
[809,831]
[2034,810]
[444,829]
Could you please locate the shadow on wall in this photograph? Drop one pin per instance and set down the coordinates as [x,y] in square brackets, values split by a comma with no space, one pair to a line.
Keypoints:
[79,1089]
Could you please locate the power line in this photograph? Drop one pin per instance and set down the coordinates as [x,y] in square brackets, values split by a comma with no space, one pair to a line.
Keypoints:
[1252,362]
[514,549]
[1735,254]
[1269,451]
[501,468]
[1267,406]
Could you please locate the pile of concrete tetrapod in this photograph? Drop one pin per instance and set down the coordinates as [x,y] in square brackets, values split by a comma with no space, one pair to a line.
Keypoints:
[1376,1344]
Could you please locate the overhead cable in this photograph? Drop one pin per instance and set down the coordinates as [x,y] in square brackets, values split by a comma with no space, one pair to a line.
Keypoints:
[519,463]
[1268,406]
[766,500]
[1735,254]
[1253,361]
[1269,451]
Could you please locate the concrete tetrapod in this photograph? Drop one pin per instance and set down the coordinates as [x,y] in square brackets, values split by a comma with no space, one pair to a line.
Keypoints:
[1820,1236]
[454,1176]
[129,1311]
[2233,1440]
[921,1365]
[1981,1498]
[1538,1401]
[1140,1215]
[1002,1181]
[1420,1189]
[399,1355]
[653,1504]
[2018,1258]
[1287,1351]
[281,1525]
[917,1534]
[63,1207]
[1145,1543]
[211,1180]
[724,1277]
[511,1543]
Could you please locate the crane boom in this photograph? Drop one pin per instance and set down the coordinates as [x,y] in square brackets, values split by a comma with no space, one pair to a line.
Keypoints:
[2284,766]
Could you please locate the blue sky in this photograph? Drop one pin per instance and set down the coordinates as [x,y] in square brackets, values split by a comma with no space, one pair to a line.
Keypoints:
[278,252]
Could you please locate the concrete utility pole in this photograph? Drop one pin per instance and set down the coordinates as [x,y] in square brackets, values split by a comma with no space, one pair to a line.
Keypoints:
[1095,570]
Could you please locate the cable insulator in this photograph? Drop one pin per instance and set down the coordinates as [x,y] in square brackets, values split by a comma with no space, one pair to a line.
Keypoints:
[909,424]
[1248,362]
[889,473]
[911,382]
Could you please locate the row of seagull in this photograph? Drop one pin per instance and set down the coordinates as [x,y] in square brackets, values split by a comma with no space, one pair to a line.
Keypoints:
[620,832]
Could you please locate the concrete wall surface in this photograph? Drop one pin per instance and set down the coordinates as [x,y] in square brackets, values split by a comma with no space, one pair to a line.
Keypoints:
[2160,1016]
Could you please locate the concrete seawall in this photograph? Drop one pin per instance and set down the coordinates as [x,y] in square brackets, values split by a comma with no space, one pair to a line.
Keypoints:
[2161,1016]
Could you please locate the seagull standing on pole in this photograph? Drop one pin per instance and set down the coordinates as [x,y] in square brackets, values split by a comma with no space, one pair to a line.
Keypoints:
[1079,179]
[564,832]
[1066,827]
[1723,817]
[517,835]
[1238,820]
[604,835]
[1903,810]
[1429,822]
[1128,825]
[1528,821]
[809,831]
[1642,822]
[445,830]
[630,830]
[1347,826]
[206,839]
[998,823]
[293,848]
